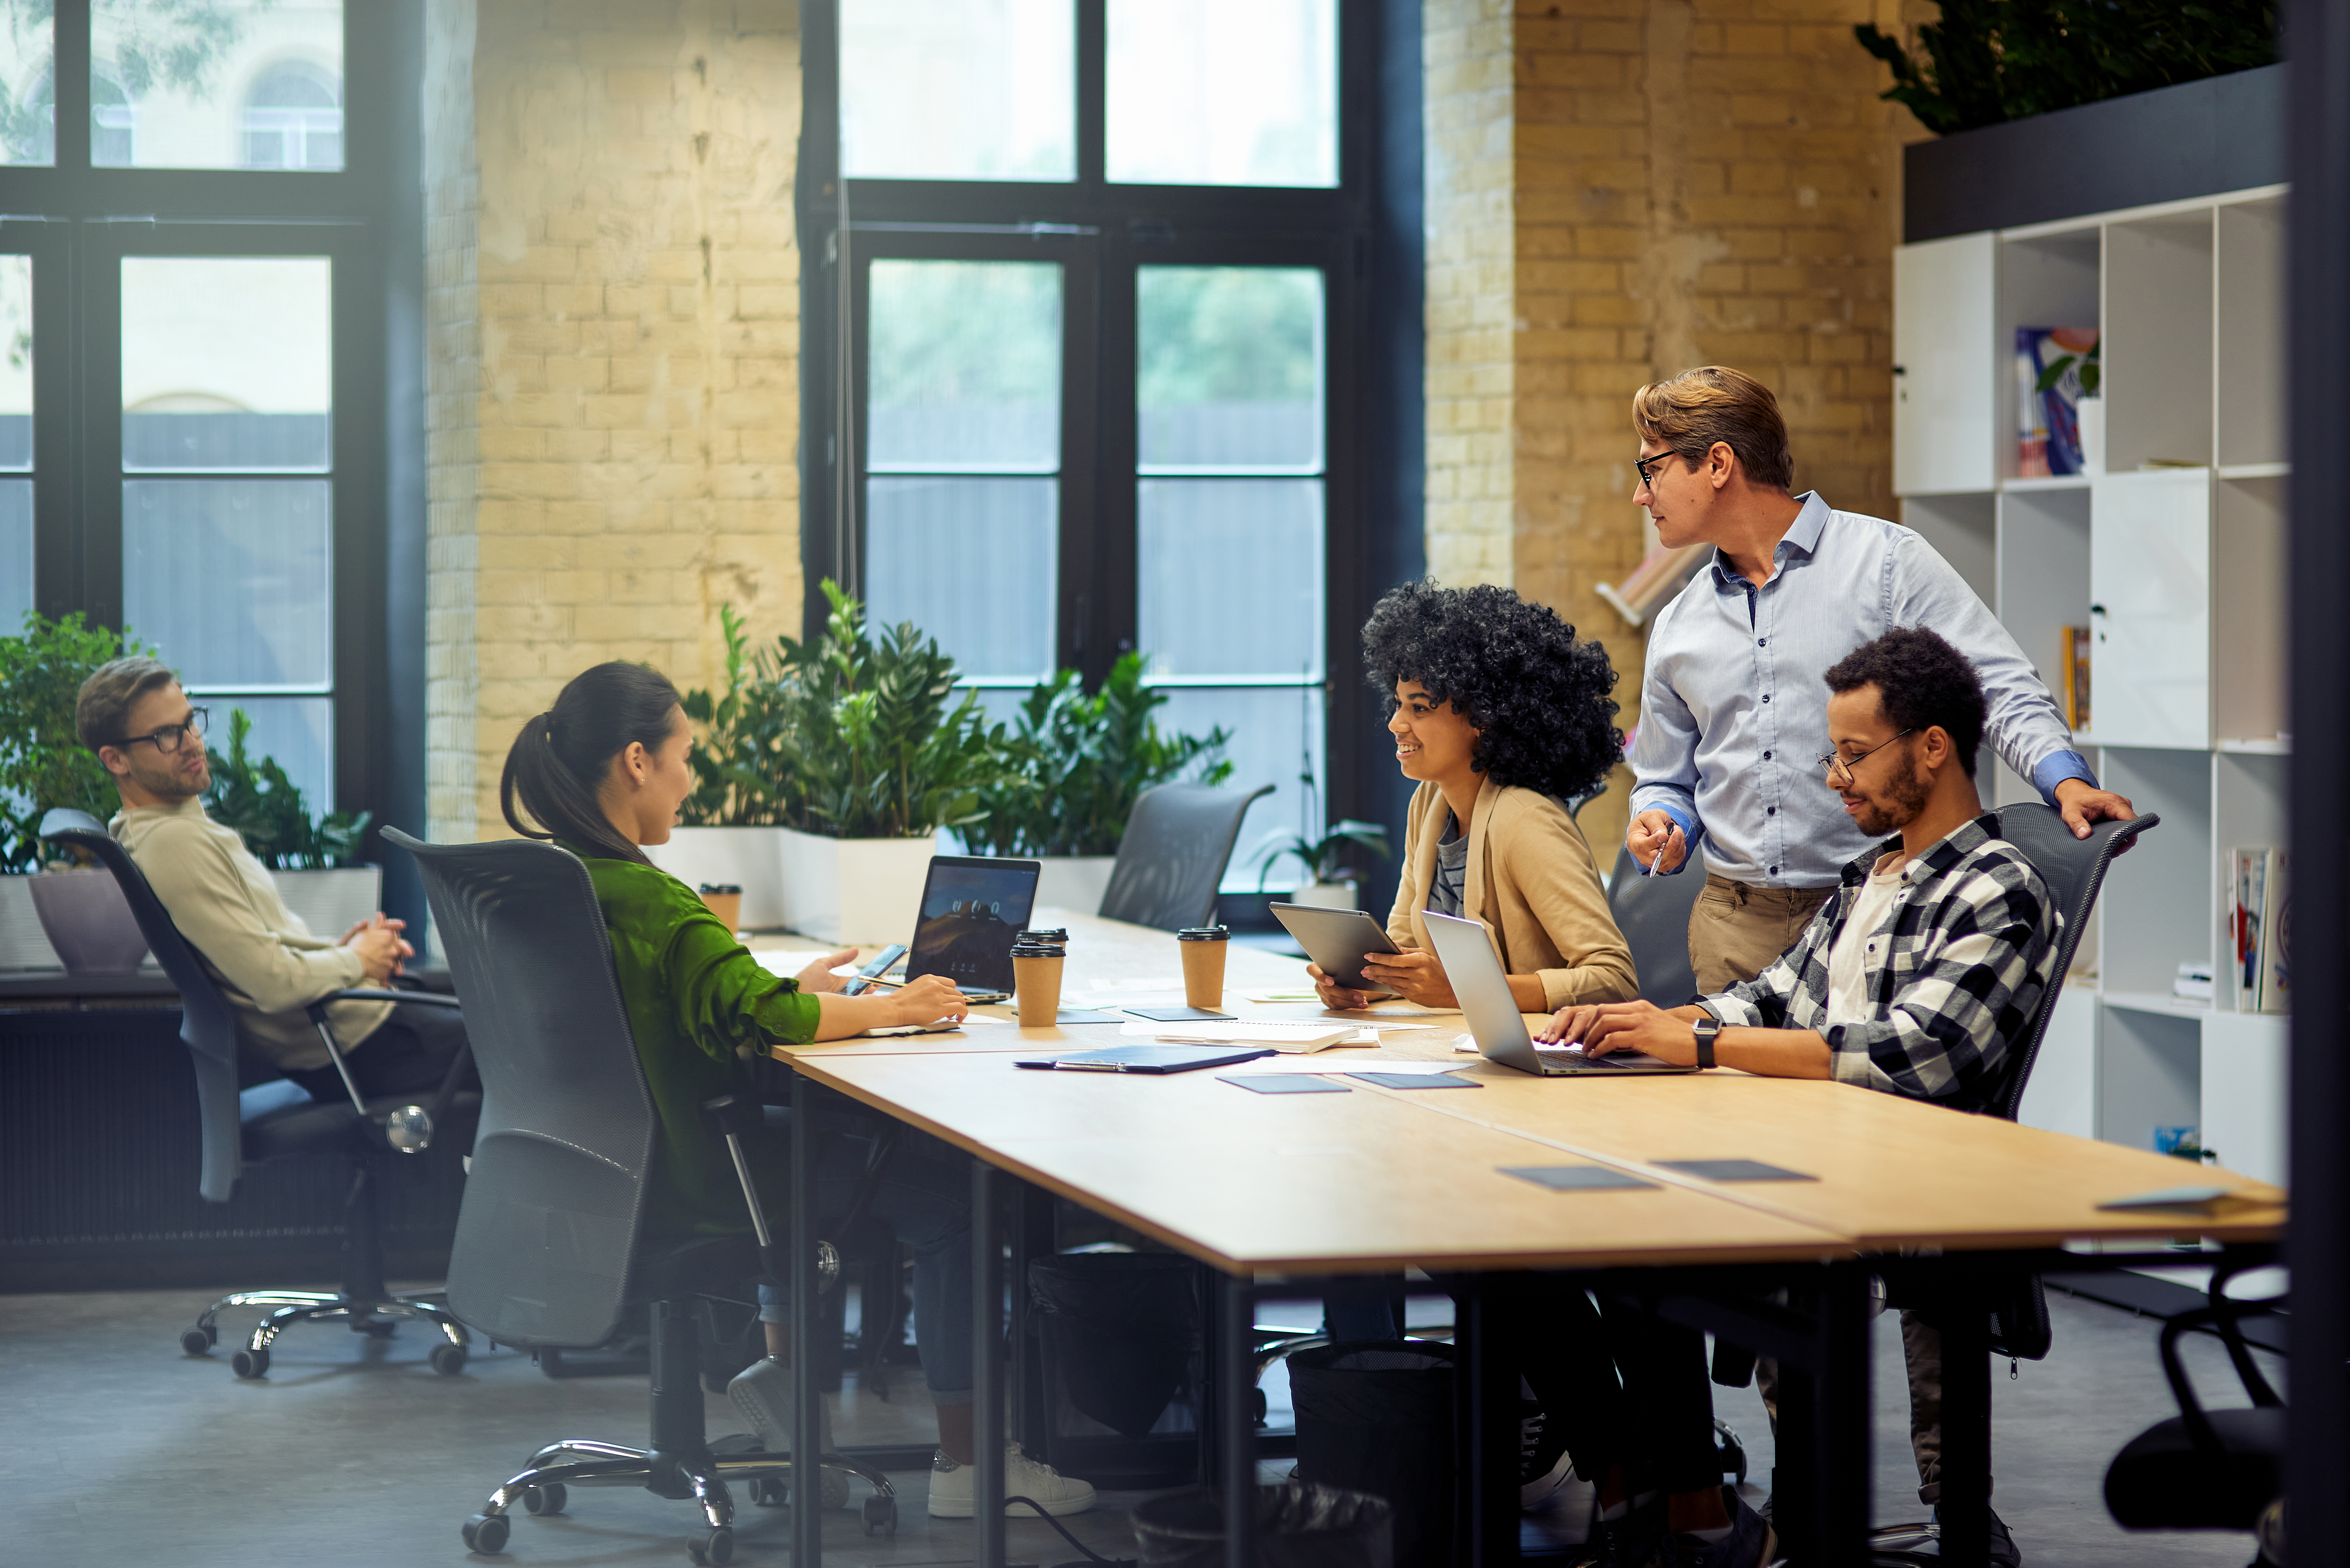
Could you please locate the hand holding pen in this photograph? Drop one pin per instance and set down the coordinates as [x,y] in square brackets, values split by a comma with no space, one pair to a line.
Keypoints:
[1657,842]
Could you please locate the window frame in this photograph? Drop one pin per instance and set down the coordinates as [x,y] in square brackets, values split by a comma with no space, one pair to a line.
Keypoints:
[79,221]
[1373,396]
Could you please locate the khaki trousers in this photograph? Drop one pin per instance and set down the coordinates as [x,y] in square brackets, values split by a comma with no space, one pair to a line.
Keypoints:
[1735,929]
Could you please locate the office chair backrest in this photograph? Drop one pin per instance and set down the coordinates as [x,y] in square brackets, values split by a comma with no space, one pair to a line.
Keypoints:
[2073,868]
[1176,846]
[557,1190]
[1653,913]
[207,1024]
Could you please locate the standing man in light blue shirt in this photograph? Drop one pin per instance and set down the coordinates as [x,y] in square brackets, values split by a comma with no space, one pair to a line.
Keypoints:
[1733,706]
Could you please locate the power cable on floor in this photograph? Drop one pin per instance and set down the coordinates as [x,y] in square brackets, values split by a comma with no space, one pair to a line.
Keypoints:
[1092,1557]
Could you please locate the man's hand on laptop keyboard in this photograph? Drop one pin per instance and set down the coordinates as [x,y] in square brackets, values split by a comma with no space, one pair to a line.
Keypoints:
[1625,1026]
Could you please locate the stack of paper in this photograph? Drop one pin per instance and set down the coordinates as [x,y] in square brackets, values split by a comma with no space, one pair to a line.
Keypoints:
[1280,1036]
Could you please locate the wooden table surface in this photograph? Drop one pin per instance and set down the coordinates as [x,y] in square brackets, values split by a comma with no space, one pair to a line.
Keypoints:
[1377,1177]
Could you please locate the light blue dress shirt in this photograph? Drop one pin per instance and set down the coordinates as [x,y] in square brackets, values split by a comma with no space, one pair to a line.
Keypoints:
[1733,709]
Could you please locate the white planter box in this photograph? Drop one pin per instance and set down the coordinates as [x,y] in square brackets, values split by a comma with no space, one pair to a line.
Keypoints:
[333,901]
[867,891]
[749,857]
[1073,882]
[1327,895]
[23,944]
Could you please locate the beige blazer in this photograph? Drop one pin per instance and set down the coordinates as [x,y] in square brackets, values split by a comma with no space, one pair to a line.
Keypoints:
[1533,883]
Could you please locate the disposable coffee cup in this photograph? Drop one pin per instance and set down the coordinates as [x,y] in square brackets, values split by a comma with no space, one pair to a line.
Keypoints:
[1203,948]
[724,900]
[1036,982]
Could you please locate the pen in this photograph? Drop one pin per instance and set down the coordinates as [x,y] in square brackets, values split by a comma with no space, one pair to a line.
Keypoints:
[1657,859]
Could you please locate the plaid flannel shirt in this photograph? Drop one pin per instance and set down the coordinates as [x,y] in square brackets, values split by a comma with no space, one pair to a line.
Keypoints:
[1972,938]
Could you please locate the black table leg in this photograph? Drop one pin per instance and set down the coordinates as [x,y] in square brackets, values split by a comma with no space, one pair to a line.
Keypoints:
[1842,1417]
[807,1476]
[1491,1376]
[1965,1507]
[987,1370]
[1236,1405]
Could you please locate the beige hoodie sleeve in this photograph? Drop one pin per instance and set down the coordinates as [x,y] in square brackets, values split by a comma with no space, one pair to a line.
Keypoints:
[223,918]
[1550,905]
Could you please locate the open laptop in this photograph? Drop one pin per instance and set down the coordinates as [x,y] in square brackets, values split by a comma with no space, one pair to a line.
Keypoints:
[972,907]
[1494,1021]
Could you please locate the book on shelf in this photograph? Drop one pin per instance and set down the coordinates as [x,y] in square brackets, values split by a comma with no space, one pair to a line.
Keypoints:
[2055,367]
[2259,917]
[2073,660]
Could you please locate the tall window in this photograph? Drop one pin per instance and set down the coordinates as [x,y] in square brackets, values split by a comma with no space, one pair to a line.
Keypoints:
[1100,258]
[206,466]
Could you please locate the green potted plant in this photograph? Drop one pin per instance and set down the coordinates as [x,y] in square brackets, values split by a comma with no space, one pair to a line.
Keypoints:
[1331,882]
[44,765]
[730,835]
[1078,762]
[314,860]
[872,756]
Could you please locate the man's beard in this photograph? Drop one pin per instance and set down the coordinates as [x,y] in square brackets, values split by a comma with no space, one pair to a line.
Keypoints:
[1908,800]
[167,783]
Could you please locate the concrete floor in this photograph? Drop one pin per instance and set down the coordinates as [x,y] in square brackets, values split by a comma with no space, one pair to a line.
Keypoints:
[117,1450]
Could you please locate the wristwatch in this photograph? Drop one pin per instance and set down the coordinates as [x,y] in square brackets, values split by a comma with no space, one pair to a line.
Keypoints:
[1705,1027]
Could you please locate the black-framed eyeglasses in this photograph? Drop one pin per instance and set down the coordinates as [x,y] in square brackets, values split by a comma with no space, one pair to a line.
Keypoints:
[1835,764]
[1647,467]
[168,739]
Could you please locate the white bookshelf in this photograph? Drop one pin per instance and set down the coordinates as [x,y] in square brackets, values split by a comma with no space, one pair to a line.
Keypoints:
[2175,558]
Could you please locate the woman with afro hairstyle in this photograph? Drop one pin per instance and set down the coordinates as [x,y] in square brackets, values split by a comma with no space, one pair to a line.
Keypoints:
[1502,715]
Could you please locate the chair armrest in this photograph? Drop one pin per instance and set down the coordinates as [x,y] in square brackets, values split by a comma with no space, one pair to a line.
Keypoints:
[370,993]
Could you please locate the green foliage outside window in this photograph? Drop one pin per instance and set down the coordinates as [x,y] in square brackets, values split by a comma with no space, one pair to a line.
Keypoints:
[1079,762]
[1989,61]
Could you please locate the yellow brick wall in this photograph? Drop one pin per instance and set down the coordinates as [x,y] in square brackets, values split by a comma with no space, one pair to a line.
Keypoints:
[1691,182]
[613,302]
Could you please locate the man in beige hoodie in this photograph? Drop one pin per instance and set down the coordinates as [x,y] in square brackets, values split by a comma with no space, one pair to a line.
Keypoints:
[132,714]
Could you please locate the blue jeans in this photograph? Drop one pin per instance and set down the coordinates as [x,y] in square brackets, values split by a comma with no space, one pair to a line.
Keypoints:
[924,1197]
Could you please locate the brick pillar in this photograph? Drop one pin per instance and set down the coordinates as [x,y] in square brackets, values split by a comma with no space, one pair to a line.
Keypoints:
[613,312]
[1687,181]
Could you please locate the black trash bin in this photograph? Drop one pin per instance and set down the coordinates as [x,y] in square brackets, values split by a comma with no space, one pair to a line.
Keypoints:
[1377,1419]
[1298,1525]
[1119,1345]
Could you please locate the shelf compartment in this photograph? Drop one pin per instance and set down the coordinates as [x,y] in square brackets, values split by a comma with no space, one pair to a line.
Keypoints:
[2157,911]
[2150,1075]
[2044,280]
[2249,658]
[2249,295]
[2043,587]
[1946,377]
[2157,340]
[2150,607]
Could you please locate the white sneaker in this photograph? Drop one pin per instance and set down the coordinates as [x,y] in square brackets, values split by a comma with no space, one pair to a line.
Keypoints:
[763,1392]
[952,1488]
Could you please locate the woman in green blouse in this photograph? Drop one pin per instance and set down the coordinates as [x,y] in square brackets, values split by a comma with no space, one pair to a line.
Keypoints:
[603,773]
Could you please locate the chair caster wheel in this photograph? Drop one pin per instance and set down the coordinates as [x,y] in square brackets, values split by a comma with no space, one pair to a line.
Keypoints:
[768,1492]
[448,1360]
[712,1548]
[198,1341]
[486,1533]
[250,1363]
[544,1500]
[881,1516]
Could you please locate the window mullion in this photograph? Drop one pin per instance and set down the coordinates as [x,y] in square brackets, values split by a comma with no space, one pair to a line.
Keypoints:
[71,94]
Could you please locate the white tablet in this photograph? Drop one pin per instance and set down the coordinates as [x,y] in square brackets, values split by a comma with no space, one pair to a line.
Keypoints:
[1337,939]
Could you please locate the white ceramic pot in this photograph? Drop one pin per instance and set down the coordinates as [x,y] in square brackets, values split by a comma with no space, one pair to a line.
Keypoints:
[1327,896]
[88,921]
[867,891]
[1073,882]
[750,858]
[331,901]
[23,944]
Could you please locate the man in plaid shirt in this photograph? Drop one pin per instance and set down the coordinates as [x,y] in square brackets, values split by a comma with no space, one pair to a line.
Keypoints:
[1921,974]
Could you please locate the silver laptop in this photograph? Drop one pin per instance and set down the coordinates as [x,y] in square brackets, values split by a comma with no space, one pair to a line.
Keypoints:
[1494,1021]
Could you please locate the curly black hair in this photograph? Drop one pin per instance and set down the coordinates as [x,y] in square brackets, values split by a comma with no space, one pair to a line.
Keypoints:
[1513,669]
[1922,681]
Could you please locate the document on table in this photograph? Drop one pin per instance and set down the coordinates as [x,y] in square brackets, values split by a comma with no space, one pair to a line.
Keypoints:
[1345,1062]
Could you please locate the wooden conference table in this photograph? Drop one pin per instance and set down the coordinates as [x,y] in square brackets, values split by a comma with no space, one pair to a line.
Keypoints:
[1378,1178]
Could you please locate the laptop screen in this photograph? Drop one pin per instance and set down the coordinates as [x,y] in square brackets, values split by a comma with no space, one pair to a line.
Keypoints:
[971,908]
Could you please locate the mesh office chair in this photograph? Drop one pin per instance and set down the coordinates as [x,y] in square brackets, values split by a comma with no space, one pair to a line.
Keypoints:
[1176,844]
[278,1120]
[1653,913]
[550,1245]
[2074,871]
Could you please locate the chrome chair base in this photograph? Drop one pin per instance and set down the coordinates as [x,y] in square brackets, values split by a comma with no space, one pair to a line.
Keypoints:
[542,1486]
[378,1316]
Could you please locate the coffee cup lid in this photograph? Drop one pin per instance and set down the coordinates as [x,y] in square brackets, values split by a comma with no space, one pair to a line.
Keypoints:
[1043,934]
[720,887]
[1202,934]
[1037,949]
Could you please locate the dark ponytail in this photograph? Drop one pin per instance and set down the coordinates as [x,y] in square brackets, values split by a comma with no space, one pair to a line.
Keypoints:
[560,760]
